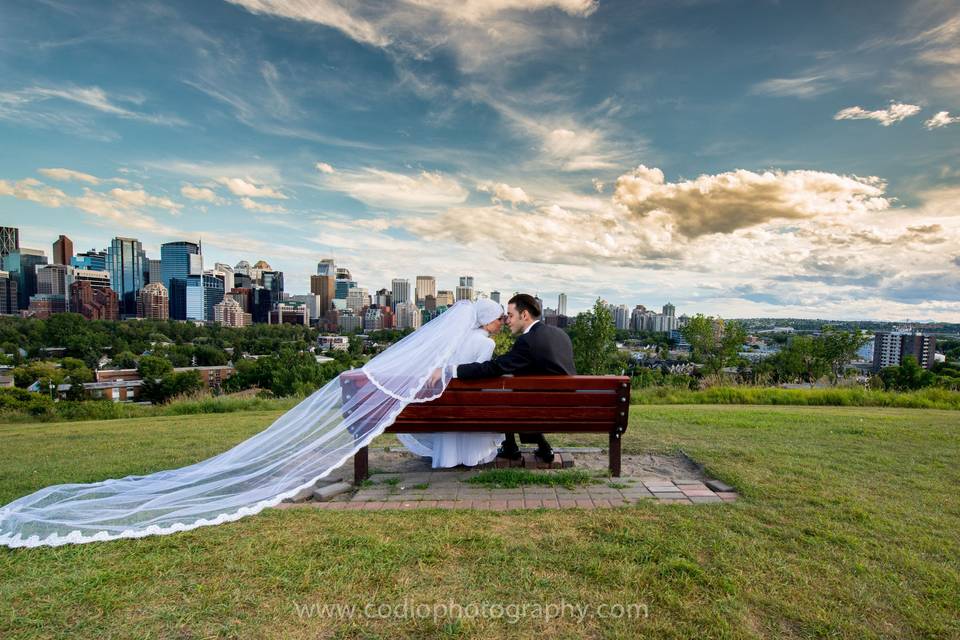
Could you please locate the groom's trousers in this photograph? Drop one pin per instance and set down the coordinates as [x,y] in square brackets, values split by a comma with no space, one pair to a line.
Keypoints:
[510,441]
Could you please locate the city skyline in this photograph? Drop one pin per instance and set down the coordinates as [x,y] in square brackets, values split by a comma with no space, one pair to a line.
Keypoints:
[741,160]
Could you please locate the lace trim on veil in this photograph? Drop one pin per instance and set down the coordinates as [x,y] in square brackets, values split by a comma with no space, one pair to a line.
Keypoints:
[76,536]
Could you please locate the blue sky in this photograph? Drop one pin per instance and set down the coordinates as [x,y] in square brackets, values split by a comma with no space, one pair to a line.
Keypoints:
[736,158]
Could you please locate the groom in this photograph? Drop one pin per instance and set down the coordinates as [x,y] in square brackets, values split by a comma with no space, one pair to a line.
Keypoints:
[538,350]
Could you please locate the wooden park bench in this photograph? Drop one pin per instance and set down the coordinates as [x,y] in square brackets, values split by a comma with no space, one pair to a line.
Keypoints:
[521,404]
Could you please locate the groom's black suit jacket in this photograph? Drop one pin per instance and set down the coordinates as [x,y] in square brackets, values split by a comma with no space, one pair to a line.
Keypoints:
[543,350]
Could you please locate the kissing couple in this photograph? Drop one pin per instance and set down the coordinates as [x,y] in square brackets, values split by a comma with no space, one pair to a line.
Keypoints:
[539,349]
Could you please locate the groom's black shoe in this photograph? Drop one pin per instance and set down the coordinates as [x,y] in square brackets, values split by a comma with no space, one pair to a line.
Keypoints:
[544,455]
[509,453]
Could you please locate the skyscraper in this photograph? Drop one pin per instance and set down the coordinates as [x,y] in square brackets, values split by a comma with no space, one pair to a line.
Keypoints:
[327,267]
[357,299]
[62,250]
[408,316]
[21,264]
[495,296]
[344,283]
[324,285]
[203,293]
[562,305]
[92,260]
[465,289]
[273,282]
[9,241]
[401,290]
[8,294]
[426,286]
[125,262]
[621,317]
[669,309]
[178,261]
[445,298]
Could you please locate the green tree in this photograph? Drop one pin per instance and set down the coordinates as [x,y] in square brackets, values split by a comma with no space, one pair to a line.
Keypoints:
[504,341]
[125,360]
[837,348]
[593,334]
[153,367]
[713,342]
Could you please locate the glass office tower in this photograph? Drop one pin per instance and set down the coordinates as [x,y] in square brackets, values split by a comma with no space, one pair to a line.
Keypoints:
[178,260]
[125,261]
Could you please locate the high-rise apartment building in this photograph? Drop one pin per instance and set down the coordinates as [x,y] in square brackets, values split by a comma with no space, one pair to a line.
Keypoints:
[891,347]
[229,313]
[153,302]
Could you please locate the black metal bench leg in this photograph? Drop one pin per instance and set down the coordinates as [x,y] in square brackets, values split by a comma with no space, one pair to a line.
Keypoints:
[361,466]
[614,452]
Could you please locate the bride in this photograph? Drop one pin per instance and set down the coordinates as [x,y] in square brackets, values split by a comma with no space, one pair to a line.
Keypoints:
[303,445]
[470,449]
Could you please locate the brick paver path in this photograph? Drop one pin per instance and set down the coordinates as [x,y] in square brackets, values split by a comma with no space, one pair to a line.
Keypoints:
[445,489]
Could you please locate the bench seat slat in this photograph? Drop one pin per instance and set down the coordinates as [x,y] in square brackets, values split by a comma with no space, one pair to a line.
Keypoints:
[505,414]
[548,384]
[523,399]
[538,426]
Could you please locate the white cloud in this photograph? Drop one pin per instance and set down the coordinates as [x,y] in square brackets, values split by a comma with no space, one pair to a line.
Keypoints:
[501,192]
[380,188]
[941,119]
[67,175]
[24,101]
[139,198]
[121,207]
[385,26]
[801,87]
[202,194]
[894,113]
[325,12]
[324,167]
[728,201]
[651,222]
[247,187]
[253,205]
[34,191]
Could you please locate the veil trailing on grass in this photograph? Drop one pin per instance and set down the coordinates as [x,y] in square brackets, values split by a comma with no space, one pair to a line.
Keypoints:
[302,446]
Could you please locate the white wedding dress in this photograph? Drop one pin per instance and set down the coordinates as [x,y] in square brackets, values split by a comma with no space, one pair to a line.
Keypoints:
[451,449]
[299,448]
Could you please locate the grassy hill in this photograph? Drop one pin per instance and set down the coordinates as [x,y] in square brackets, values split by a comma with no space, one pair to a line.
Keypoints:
[847,527]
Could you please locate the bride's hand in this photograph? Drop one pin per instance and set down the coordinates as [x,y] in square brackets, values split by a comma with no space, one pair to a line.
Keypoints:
[435,376]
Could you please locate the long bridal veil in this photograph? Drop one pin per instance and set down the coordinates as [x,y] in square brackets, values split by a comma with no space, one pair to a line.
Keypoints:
[302,446]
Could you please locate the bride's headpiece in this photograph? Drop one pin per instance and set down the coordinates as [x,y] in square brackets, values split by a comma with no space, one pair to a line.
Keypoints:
[487,311]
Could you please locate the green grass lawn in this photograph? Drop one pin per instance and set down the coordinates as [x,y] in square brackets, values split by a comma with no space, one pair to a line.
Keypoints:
[847,527]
